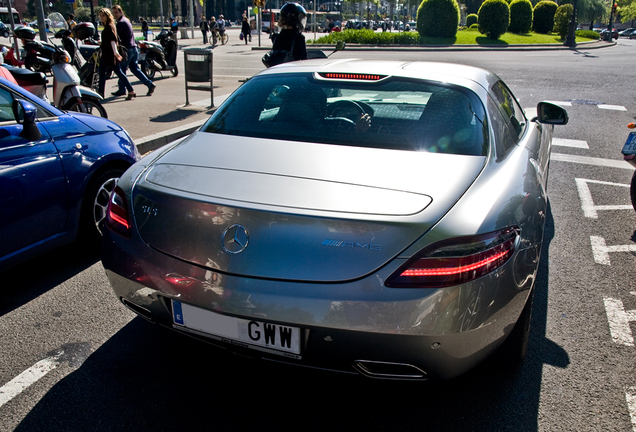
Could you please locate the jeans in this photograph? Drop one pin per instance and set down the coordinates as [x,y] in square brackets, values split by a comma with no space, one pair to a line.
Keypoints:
[131,62]
[104,69]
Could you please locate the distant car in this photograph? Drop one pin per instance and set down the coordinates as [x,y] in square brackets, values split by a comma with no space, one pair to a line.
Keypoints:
[47,23]
[384,217]
[604,34]
[5,30]
[58,170]
[626,32]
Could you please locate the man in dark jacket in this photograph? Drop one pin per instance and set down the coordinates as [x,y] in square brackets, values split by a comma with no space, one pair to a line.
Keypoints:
[204,29]
[127,40]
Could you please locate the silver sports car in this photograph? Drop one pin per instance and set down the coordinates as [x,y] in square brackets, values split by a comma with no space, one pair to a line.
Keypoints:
[378,217]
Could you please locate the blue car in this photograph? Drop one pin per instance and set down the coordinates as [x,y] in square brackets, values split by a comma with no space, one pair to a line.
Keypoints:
[57,170]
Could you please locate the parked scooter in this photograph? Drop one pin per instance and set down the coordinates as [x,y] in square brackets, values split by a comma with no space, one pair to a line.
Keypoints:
[629,154]
[38,55]
[160,56]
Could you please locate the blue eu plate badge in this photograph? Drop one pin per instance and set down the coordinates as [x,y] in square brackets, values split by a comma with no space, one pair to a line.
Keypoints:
[177,312]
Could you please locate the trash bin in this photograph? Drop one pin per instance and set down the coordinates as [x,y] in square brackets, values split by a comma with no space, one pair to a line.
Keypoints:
[184,33]
[198,69]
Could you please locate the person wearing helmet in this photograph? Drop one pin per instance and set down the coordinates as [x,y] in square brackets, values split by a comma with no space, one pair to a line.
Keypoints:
[292,21]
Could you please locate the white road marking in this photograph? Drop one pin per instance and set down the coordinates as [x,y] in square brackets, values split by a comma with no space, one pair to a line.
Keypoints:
[601,250]
[28,377]
[619,320]
[587,203]
[610,163]
[569,104]
[570,143]
[612,107]
[630,395]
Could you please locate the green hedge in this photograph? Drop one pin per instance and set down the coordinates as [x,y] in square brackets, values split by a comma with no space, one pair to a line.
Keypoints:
[562,19]
[520,16]
[494,18]
[371,37]
[544,16]
[471,19]
[438,18]
[590,34]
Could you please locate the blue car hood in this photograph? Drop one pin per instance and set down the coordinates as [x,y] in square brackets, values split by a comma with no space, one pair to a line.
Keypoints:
[98,124]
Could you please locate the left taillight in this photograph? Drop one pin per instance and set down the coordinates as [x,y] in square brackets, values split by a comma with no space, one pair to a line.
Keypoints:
[117,215]
[456,261]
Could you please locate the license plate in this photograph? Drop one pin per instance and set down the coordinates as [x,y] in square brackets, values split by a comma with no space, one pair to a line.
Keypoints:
[630,145]
[254,334]
[142,57]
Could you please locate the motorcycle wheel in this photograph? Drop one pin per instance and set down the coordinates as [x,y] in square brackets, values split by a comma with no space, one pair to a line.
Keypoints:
[147,70]
[31,62]
[5,34]
[91,106]
[632,191]
[175,71]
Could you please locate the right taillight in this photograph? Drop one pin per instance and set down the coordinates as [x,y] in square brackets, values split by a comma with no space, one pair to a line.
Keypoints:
[456,261]
[117,215]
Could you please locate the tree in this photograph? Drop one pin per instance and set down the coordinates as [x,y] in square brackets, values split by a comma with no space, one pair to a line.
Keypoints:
[438,18]
[544,16]
[562,19]
[520,16]
[494,18]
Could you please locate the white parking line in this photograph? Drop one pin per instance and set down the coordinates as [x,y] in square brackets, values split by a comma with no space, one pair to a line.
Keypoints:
[619,320]
[562,142]
[630,395]
[28,377]
[587,203]
[612,107]
[601,251]
[610,163]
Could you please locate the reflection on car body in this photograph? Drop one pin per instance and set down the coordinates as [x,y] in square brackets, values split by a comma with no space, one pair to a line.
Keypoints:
[388,223]
[54,184]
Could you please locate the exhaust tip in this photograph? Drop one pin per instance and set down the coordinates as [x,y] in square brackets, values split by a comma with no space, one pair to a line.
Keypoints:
[388,370]
[139,310]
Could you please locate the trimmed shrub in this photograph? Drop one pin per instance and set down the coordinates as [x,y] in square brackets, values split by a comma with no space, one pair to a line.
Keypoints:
[562,19]
[520,16]
[589,34]
[474,27]
[544,16]
[438,18]
[494,18]
[471,19]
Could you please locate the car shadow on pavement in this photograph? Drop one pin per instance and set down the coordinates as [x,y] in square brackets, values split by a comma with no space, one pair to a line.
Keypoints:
[149,378]
[29,280]
[176,115]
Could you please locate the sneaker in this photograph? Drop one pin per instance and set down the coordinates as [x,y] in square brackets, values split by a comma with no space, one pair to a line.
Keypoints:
[131,95]
[151,90]
[119,93]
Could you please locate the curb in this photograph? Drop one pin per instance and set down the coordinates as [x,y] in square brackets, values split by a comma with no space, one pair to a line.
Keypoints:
[153,142]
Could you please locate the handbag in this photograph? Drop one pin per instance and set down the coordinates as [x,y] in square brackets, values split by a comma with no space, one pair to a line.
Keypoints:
[276,57]
[123,52]
[241,36]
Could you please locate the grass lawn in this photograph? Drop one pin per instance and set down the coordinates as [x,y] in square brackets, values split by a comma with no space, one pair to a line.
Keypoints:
[463,37]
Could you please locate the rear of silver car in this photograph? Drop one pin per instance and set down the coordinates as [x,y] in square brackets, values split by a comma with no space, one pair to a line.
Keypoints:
[391,263]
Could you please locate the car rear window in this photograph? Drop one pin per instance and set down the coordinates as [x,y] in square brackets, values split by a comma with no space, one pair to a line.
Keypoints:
[393,113]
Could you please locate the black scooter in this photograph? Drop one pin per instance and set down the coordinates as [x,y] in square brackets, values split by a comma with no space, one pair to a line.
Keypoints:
[158,56]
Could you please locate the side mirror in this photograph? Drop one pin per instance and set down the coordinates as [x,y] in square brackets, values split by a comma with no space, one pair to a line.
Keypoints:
[550,113]
[25,114]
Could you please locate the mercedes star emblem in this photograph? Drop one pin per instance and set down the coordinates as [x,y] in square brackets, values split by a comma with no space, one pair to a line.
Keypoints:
[235,239]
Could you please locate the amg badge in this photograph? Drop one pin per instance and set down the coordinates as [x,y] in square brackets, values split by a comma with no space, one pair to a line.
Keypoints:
[352,245]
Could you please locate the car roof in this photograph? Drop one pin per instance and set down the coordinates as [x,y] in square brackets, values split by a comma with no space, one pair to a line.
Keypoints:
[434,71]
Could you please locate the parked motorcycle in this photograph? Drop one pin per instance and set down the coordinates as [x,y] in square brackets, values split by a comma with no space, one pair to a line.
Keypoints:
[38,55]
[159,56]
[629,154]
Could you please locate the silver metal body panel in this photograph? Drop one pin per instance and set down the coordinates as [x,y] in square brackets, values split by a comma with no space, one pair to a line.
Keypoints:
[293,196]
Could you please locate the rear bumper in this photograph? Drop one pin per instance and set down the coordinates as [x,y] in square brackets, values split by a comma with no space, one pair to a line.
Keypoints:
[356,326]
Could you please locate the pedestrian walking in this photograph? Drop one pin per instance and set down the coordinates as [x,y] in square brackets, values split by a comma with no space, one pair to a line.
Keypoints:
[127,40]
[246,30]
[204,29]
[111,57]
[144,28]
